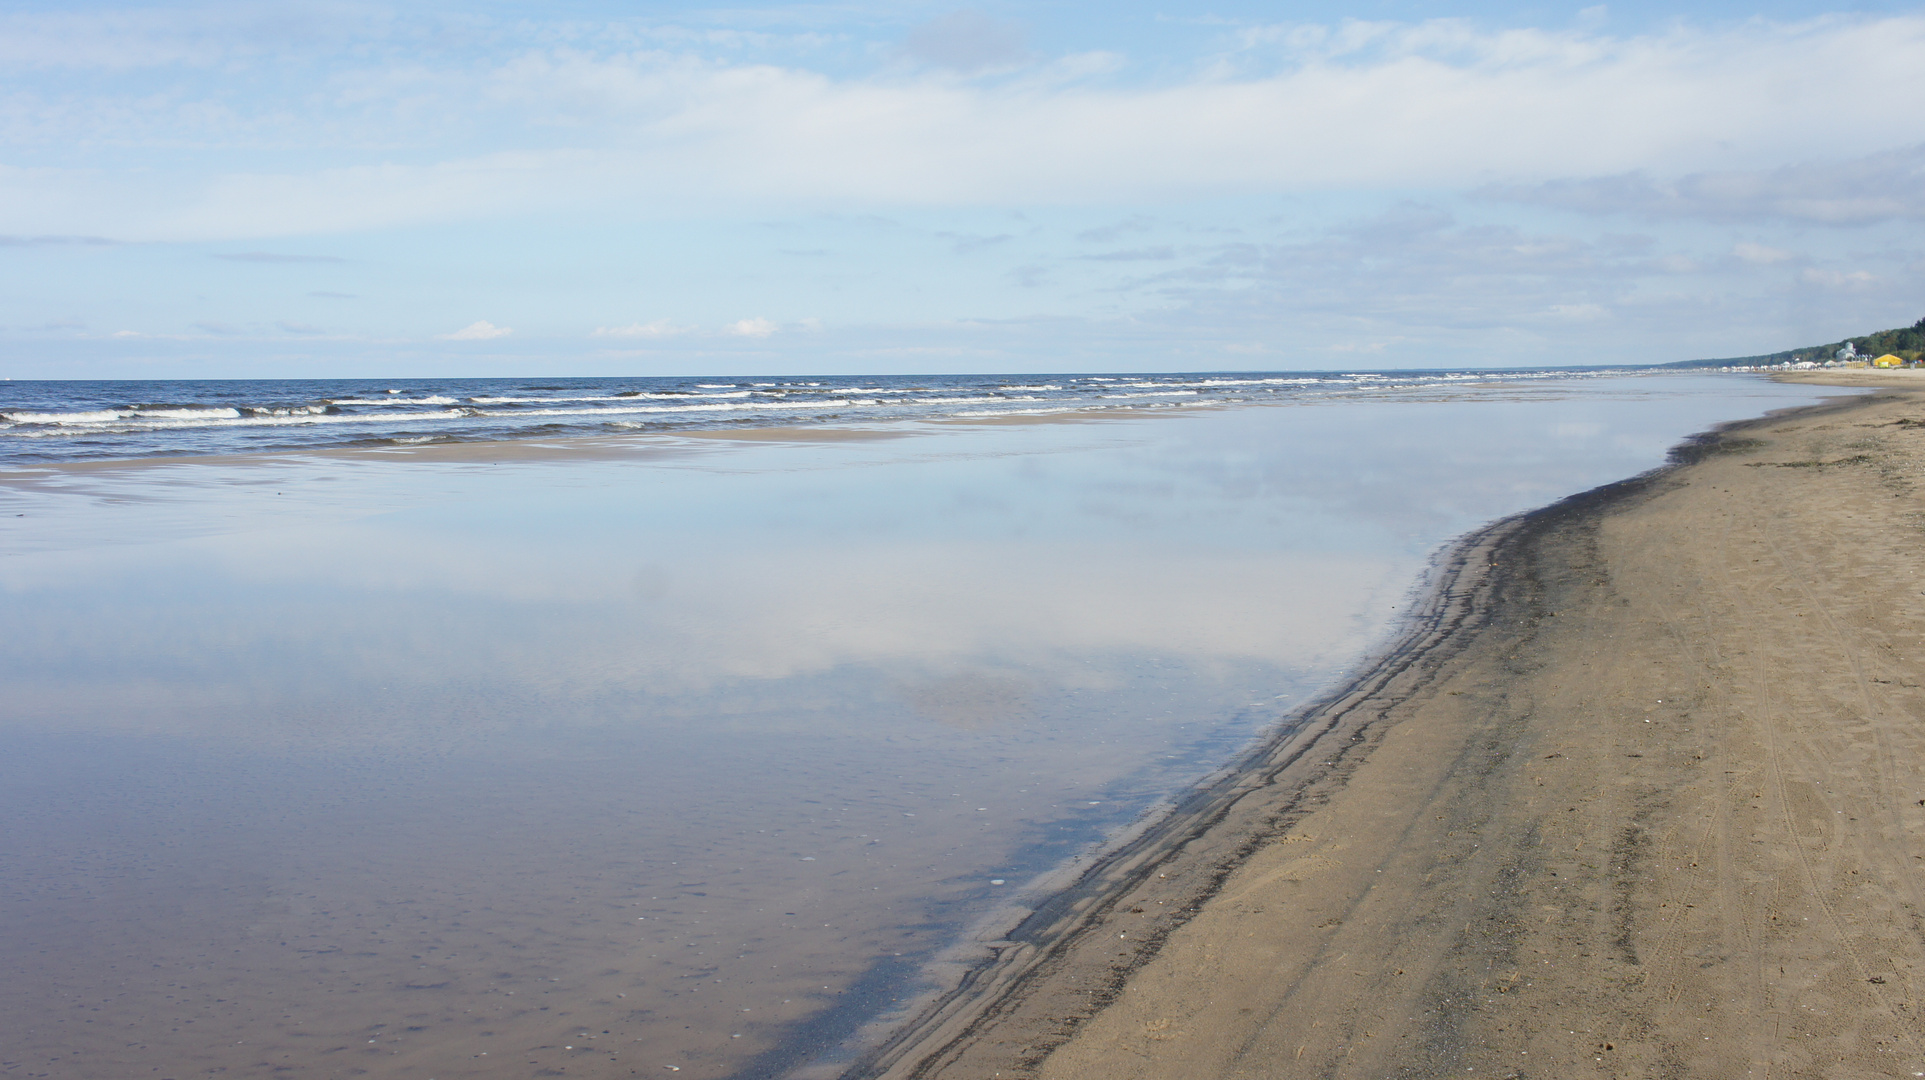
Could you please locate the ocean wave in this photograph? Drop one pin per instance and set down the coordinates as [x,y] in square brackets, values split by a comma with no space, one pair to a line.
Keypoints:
[129,426]
[976,414]
[100,416]
[288,410]
[92,417]
[628,395]
[774,408]
[129,421]
[435,399]
[1258,382]
[78,420]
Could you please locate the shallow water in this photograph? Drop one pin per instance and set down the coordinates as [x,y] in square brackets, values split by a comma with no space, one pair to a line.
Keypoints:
[673,752]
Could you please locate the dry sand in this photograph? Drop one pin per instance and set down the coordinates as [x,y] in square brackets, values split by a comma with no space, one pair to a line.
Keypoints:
[1642,795]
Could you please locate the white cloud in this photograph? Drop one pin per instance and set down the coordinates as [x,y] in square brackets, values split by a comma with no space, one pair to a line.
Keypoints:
[757,328]
[1860,190]
[1359,104]
[1372,105]
[659,328]
[1839,279]
[1438,291]
[477,331]
[1761,255]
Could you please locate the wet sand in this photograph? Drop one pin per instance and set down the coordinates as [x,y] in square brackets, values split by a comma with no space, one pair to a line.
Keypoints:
[1642,793]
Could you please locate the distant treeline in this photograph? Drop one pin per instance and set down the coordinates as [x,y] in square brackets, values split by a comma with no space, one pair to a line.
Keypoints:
[1905,342]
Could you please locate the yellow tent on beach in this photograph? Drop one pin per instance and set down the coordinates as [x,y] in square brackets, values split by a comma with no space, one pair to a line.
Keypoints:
[1888,360]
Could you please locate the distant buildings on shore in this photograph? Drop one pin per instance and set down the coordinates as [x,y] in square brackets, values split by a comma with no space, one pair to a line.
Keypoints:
[1900,347]
[1840,361]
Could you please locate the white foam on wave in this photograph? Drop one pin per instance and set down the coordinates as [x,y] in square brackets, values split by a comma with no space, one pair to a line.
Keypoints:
[1152,393]
[289,410]
[432,399]
[777,406]
[108,416]
[718,406]
[772,407]
[1214,383]
[133,426]
[521,400]
[1257,382]
[976,414]
[93,417]
[626,396]
[189,413]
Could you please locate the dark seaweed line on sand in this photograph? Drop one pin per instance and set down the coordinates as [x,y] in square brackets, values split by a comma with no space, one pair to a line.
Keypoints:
[1468,589]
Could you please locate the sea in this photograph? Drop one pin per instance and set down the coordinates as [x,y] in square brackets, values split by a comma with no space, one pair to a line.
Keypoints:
[442,728]
[64,421]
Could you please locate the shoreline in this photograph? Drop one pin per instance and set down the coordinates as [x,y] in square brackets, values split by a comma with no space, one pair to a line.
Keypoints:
[1203,830]
[1098,982]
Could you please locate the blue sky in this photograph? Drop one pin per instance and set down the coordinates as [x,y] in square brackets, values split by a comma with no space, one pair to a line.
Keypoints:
[350,189]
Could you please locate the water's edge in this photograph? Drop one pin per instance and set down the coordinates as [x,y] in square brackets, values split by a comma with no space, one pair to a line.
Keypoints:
[1061,917]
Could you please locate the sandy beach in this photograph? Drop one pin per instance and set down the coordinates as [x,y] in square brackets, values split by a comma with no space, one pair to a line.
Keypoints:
[1642,793]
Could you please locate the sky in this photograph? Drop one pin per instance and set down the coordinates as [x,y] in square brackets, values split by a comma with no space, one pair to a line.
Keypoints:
[586,188]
